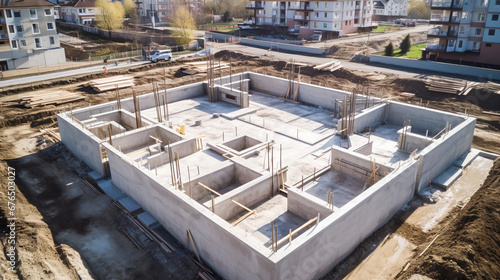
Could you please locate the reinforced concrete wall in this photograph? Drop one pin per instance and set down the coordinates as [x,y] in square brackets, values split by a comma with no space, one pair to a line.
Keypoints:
[438,67]
[228,255]
[305,205]
[141,137]
[317,251]
[81,142]
[308,94]
[441,154]
[368,118]
[422,119]
[357,165]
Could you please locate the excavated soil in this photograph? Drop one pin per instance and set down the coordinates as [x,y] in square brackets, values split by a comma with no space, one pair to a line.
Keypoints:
[468,248]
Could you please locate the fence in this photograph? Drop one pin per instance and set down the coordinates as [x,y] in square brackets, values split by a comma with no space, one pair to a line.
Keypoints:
[113,56]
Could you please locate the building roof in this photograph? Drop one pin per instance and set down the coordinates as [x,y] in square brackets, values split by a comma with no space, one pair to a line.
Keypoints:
[80,3]
[379,4]
[25,3]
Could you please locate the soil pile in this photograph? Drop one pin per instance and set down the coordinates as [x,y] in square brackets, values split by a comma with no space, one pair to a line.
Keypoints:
[469,247]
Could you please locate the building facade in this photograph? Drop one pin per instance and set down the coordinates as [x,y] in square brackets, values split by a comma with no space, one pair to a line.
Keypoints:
[468,32]
[165,9]
[79,11]
[386,10]
[28,36]
[305,17]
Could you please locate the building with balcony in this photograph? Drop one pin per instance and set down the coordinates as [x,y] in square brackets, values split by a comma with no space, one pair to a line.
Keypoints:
[79,11]
[468,32]
[390,9]
[163,10]
[305,17]
[28,36]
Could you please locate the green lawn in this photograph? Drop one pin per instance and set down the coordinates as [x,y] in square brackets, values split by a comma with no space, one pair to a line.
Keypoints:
[414,52]
[382,28]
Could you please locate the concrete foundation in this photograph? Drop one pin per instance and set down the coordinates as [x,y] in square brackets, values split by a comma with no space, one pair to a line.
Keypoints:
[253,160]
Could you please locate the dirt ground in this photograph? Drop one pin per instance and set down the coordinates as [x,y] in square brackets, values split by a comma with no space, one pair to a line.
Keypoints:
[67,231]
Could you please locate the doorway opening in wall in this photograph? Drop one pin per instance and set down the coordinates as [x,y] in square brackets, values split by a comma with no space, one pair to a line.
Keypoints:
[3,66]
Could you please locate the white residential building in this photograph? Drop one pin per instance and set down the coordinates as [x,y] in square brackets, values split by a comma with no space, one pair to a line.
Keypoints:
[336,17]
[79,12]
[28,36]
[387,9]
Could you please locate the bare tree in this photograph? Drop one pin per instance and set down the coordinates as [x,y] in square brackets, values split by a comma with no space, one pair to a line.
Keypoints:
[110,15]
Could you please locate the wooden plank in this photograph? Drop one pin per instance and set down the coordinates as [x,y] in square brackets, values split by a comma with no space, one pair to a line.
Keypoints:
[242,218]
[208,188]
[241,205]
[286,238]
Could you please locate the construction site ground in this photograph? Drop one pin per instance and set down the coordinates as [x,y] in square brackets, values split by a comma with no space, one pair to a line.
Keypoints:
[67,231]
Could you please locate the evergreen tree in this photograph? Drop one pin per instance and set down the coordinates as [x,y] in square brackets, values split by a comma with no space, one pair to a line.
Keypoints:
[405,45]
[389,50]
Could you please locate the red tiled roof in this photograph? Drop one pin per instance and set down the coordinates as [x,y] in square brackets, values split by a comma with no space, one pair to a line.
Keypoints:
[25,3]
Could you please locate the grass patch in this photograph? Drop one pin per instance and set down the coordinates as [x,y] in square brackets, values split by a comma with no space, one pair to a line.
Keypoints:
[414,52]
[82,35]
[382,29]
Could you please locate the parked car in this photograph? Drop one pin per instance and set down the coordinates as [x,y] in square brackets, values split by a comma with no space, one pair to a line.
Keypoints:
[161,54]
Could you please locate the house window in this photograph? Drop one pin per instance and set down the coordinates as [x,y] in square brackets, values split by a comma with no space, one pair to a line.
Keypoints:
[491,32]
[326,5]
[11,29]
[8,13]
[17,13]
[325,25]
[38,44]
[317,4]
[451,43]
[52,40]
[494,17]
[465,15]
[498,2]
[33,14]
[22,43]
[14,44]
[487,45]
[460,43]
[163,13]
[19,28]
[316,24]
[48,12]
[36,29]
[317,15]
[481,17]
[478,31]
[326,15]
[50,26]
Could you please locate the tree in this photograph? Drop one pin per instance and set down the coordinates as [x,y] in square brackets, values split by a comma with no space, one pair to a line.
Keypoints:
[419,9]
[110,15]
[226,17]
[405,44]
[389,50]
[130,9]
[184,25]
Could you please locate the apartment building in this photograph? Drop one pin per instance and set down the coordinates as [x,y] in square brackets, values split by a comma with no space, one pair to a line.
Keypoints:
[304,17]
[28,36]
[468,32]
[165,9]
[390,9]
[79,11]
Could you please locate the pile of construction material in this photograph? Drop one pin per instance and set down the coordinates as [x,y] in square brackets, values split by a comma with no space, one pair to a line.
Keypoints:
[105,84]
[449,85]
[43,99]
[329,66]
[202,66]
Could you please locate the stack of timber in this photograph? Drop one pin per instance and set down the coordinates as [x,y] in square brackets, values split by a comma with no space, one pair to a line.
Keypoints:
[105,84]
[329,66]
[201,67]
[42,99]
[448,85]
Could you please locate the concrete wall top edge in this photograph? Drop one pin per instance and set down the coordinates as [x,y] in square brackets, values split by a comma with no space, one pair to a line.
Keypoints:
[454,130]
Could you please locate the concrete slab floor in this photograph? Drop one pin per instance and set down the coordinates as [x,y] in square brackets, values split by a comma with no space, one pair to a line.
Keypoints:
[343,186]
[257,227]
[385,145]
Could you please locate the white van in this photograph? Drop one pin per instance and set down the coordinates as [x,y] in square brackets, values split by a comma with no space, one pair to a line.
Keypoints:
[161,54]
